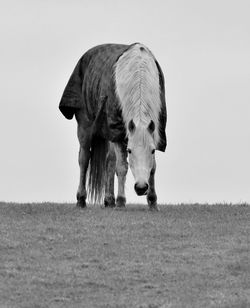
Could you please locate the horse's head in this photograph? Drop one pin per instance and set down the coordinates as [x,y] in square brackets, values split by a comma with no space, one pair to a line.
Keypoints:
[141,150]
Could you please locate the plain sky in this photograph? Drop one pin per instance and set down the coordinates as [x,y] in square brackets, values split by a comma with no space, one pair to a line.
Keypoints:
[203,48]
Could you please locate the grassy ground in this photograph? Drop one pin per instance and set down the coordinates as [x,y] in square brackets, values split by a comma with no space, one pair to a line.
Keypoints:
[56,255]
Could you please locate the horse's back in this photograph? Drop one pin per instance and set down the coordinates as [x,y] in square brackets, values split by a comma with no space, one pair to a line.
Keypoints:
[91,75]
[92,84]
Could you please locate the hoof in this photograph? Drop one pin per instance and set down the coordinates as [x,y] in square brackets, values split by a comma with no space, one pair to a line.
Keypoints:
[81,202]
[154,208]
[152,202]
[120,202]
[109,201]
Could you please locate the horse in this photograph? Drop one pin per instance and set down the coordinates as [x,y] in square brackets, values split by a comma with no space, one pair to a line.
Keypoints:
[117,95]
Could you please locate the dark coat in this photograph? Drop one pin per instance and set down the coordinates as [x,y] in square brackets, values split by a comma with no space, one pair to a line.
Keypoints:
[91,91]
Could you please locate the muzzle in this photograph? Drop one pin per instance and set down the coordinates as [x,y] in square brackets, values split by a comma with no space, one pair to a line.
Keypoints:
[141,189]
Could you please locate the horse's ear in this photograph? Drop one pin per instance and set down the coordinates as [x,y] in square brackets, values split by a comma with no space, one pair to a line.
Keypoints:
[151,127]
[131,126]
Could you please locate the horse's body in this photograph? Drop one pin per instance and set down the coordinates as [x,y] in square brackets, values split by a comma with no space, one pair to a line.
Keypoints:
[117,95]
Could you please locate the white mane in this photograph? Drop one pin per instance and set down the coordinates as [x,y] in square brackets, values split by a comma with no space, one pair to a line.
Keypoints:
[138,87]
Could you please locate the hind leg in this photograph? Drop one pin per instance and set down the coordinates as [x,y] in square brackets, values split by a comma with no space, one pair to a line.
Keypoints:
[121,172]
[151,196]
[109,199]
[83,159]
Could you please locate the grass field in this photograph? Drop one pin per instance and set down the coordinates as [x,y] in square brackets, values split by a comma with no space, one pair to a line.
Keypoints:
[56,255]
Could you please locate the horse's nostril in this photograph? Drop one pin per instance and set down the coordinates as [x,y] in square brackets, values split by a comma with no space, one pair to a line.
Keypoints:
[141,189]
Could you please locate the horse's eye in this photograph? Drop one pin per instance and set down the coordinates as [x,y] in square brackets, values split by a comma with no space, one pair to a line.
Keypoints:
[129,151]
[153,151]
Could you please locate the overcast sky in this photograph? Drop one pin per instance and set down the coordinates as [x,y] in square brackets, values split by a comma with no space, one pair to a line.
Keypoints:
[203,48]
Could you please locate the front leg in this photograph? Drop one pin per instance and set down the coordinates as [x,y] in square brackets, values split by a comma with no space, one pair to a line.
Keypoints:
[151,196]
[84,156]
[121,172]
